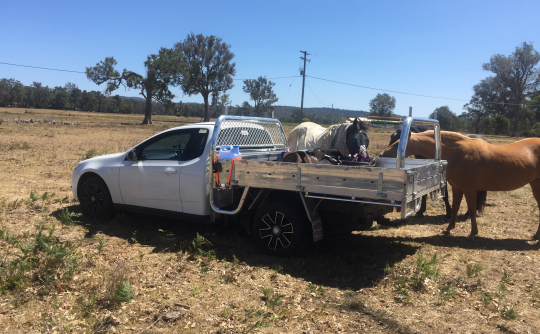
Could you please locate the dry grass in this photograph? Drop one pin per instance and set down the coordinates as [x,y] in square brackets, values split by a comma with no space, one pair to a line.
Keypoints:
[385,280]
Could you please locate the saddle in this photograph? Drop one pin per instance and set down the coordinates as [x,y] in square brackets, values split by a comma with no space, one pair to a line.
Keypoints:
[320,156]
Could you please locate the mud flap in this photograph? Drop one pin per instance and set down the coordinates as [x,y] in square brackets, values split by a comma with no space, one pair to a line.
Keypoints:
[311,205]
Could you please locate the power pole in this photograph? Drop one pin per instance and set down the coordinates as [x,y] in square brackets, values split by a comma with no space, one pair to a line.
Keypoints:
[303,73]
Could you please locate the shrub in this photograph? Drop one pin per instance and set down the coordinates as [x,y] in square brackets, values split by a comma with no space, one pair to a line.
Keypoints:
[45,259]
[91,153]
[502,125]
[66,217]
[19,146]
[122,293]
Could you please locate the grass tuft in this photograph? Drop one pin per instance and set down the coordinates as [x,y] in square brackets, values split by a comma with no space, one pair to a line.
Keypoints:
[508,313]
[473,270]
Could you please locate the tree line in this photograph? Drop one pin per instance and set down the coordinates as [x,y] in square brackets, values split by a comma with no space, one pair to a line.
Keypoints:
[68,97]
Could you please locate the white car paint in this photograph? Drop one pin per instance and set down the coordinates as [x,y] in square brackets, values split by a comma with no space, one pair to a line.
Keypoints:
[180,186]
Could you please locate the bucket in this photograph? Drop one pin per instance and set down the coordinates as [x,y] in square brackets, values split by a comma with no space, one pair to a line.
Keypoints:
[230,152]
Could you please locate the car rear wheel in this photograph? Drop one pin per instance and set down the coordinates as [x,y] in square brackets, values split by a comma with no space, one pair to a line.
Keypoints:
[95,198]
[281,229]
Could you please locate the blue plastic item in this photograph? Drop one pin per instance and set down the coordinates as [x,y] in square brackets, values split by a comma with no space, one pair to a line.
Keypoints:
[230,152]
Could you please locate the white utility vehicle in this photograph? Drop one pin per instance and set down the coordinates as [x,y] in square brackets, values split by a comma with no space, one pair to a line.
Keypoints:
[175,174]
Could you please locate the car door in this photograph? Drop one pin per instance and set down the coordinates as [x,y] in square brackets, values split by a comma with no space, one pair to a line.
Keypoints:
[153,179]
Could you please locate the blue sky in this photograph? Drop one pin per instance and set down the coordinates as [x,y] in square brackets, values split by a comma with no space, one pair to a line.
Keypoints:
[433,48]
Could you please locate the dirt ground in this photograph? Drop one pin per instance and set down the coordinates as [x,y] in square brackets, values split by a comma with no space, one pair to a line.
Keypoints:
[403,278]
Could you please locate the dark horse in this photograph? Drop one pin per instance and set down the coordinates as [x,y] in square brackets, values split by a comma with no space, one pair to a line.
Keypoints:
[480,195]
[346,138]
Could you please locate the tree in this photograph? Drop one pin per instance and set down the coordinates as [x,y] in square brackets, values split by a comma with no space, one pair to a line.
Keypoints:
[519,74]
[162,70]
[219,103]
[209,68]
[261,92]
[502,125]
[491,98]
[447,119]
[382,105]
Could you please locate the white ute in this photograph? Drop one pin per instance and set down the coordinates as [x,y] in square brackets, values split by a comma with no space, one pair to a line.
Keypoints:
[173,174]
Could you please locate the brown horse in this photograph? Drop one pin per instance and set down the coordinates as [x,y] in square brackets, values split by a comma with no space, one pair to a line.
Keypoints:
[474,165]
[480,196]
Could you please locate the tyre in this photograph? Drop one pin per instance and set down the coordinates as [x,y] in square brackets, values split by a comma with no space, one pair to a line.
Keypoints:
[281,229]
[95,198]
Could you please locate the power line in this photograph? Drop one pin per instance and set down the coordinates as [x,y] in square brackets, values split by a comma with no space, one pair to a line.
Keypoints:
[61,70]
[294,76]
[315,95]
[289,87]
[386,90]
[413,94]
[42,68]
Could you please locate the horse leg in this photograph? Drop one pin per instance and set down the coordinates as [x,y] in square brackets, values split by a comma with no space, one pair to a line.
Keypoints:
[470,197]
[457,196]
[420,212]
[535,185]
[446,202]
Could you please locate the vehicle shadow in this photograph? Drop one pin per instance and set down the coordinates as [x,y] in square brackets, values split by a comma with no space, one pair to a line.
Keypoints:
[345,261]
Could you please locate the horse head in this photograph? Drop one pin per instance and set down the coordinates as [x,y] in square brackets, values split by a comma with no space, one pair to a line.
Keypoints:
[357,136]
[415,128]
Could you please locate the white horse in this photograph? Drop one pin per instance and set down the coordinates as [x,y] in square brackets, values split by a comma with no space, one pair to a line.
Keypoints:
[346,138]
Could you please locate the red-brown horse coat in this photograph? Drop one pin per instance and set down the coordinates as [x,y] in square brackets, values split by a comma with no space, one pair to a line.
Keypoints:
[476,165]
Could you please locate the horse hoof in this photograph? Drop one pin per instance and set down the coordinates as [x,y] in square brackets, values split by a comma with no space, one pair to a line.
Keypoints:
[536,237]
[419,214]
[446,232]
[470,237]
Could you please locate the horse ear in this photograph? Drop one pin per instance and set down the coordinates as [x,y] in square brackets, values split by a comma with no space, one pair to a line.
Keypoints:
[356,125]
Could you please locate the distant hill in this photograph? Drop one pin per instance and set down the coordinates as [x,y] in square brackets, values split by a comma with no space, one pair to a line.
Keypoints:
[132,98]
[286,110]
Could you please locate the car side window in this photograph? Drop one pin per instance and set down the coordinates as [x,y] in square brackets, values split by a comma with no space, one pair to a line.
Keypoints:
[177,145]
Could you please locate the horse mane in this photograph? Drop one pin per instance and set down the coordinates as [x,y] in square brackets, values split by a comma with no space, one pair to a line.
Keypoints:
[363,126]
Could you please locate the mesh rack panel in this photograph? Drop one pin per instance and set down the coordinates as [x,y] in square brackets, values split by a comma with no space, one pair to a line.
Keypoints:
[251,133]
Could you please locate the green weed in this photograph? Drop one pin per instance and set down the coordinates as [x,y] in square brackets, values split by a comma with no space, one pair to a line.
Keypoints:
[486,299]
[226,313]
[19,146]
[33,196]
[44,260]
[67,218]
[507,277]
[122,293]
[195,292]
[446,293]
[508,313]
[102,243]
[133,239]
[473,270]
[424,269]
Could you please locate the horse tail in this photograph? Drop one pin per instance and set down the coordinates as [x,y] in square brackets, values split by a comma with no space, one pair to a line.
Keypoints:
[481,197]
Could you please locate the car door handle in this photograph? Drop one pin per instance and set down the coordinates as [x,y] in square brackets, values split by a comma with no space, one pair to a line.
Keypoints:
[170,171]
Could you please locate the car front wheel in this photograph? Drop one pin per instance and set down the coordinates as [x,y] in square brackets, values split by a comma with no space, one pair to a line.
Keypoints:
[95,198]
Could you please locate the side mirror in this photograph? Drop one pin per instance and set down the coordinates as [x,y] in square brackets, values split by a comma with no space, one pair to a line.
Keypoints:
[132,155]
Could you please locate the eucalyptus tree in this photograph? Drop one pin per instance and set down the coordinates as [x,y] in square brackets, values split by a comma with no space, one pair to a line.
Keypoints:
[261,92]
[162,70]
[382,105]
[519,74]
[209,67]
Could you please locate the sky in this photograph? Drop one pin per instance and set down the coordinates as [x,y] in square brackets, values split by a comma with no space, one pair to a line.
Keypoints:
[408,49]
